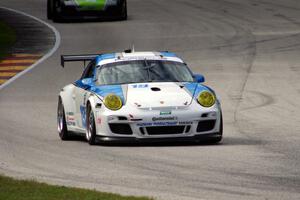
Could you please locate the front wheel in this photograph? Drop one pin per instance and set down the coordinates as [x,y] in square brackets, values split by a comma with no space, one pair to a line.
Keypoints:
[90,127]
[61,121]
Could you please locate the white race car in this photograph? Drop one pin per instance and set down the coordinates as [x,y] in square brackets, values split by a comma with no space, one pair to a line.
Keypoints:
[138,96]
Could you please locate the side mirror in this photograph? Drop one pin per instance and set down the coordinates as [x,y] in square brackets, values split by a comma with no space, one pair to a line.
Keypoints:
[84,83]
[199,78]
[87,81]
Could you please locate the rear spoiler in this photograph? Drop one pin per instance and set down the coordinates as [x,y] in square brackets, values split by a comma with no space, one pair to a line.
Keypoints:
[74,58]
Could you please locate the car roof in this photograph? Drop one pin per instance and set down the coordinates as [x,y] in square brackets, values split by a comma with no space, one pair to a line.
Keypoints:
[119,57]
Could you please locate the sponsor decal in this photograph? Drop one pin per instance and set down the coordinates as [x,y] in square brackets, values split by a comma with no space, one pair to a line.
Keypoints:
[140,86]
[71,123]
[83,115]
[164,118]
[139,58]
[185,123]
[164,123]
[145,124]
[70,113]
[99,121]
[70,118]
[165,112]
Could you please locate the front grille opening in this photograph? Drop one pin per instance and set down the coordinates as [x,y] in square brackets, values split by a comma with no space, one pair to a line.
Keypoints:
[204,115]
[188,128]
[122,129]
[164,130]
[122,118]
[142,131]
[206,125]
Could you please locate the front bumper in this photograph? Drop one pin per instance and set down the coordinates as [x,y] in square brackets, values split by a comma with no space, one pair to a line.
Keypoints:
[149,125]
[195,138]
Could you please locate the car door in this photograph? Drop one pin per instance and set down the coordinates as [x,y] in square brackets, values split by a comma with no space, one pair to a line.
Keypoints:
[81,92]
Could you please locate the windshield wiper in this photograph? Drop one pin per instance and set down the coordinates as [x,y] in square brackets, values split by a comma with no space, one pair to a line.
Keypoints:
[149,70]
[147,67]
[159,77]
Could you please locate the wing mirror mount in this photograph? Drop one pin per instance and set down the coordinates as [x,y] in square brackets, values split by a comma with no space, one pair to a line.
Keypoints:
[86,83]
[199,78]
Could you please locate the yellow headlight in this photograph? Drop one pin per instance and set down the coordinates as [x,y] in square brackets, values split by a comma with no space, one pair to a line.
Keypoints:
[206,99]
[112,102]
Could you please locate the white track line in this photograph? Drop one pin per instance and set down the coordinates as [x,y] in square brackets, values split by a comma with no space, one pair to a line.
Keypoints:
[57,43]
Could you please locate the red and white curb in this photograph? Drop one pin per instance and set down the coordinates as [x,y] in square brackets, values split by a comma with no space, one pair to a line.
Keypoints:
[15,64]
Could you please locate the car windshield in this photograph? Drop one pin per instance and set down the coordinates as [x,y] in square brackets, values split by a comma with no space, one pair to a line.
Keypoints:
[139,71]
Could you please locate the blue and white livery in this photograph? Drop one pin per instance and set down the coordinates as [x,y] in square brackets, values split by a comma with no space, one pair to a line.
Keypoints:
[138,96]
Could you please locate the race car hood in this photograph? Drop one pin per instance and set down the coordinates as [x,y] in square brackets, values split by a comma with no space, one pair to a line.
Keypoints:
[153,95]
[157,95]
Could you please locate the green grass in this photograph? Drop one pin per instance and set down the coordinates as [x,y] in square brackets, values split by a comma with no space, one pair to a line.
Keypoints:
[7,39]
[11,189]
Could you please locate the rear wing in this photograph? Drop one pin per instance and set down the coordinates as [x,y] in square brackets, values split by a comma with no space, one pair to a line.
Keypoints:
[74,58]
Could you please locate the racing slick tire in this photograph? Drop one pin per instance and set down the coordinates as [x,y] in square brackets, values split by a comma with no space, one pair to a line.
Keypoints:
[49,9]
[61,121]
[90,126]
[123,10]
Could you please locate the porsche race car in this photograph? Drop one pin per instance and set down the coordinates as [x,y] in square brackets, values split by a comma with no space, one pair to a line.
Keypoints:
[59,10]
[138,96]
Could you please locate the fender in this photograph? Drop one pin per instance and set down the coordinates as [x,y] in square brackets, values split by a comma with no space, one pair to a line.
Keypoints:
[66,94]
[94,101]
[96,105]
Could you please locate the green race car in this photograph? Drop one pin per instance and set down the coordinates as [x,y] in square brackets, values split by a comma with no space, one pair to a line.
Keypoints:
[58,10]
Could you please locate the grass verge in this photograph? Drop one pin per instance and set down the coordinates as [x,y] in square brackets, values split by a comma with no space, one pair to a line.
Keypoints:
[12,189]
[7,39]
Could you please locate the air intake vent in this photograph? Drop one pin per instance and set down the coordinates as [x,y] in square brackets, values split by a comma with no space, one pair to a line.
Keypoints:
[155,89]
[122,129]
[206,125]
[164,130]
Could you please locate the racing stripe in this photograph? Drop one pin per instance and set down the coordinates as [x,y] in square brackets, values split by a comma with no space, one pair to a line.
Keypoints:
[196,88]
[109,89]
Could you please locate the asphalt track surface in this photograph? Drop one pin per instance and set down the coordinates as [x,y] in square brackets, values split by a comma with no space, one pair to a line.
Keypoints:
[249,52]
[30,34]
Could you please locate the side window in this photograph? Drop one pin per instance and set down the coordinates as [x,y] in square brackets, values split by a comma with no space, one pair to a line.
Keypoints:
[89,70]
